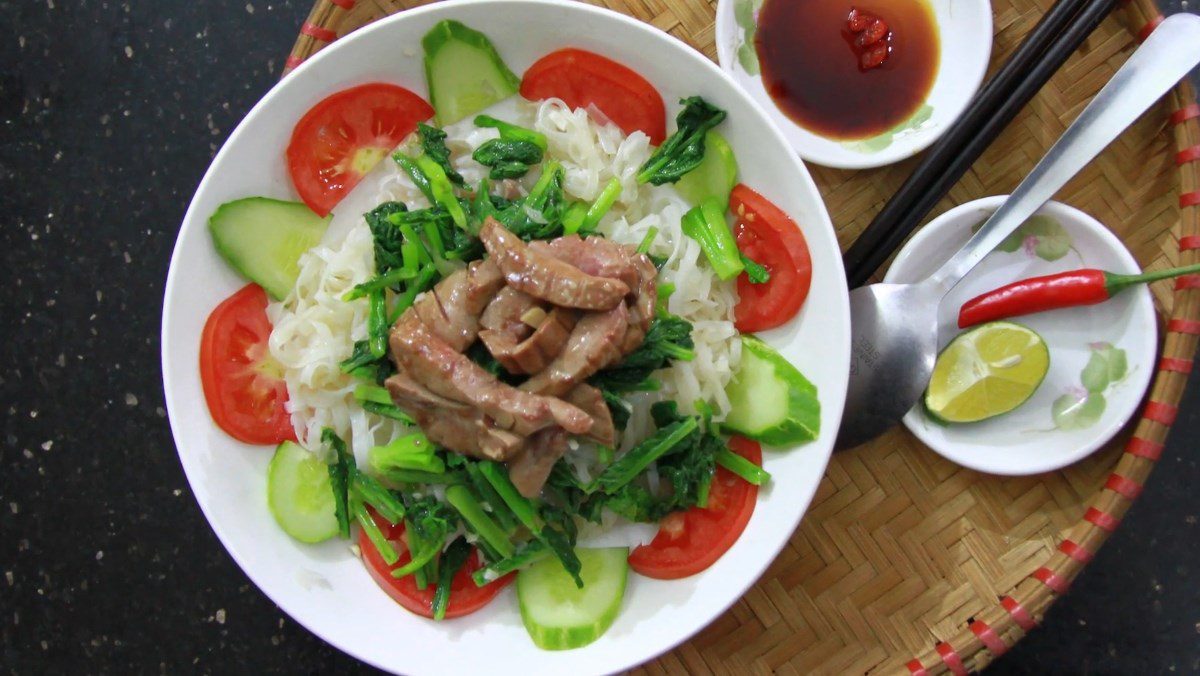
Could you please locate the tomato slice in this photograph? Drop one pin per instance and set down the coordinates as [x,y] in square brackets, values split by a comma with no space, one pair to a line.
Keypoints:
[243,385]
[465,597]
[582,78]
[690,541]
[773,240]
[344,136]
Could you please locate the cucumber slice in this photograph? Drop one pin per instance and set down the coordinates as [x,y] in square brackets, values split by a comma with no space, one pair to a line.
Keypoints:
[771,400]
[299,494]
[464,72]
[263,239]
[560,616]
[716,175]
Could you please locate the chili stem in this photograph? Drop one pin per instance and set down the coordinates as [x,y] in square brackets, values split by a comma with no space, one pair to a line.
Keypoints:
[1118,283]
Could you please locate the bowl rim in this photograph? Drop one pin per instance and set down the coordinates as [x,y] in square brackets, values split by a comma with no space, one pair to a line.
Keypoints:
[724,27]
[191,218]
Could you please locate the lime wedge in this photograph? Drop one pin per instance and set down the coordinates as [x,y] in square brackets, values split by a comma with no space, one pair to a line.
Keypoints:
[986,372]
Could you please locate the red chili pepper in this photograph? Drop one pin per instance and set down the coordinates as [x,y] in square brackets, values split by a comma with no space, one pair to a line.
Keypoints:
[1051,292]
[869,37]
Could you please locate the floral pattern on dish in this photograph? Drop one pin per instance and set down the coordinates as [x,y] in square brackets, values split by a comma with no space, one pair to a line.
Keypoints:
[1082,406]
[1041,236]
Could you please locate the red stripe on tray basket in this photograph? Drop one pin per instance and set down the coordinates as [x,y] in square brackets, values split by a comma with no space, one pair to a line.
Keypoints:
[1022,617]
[1052,580]
[317,33]
[1074,551]
[292,61]
[1189,199]
[989,637]
[344,4]
[1102,520]
[1187,282]
[1188,112]
[1190,155]
[915,668]
[951,659]
[1189,242]
[1143,448]
[1126,487]
[1175,365]
[1188,326]
[1149,28]
[1161,413]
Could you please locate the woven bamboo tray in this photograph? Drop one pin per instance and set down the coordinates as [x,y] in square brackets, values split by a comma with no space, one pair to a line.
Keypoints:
[906,563]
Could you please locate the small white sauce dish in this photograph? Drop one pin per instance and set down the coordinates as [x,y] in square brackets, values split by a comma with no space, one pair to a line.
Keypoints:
[1101,356]
[965,29]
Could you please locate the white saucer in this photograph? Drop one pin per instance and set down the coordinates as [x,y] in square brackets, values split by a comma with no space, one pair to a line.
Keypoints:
[965,28]
[1032,439]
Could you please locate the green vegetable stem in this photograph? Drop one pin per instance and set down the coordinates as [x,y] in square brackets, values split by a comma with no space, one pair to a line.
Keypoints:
[706,224]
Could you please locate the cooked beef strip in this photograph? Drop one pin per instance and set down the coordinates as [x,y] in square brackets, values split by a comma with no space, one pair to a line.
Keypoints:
[405,391]
[641,311]
[546,277]
[605,258]
[595,256]
[470,435]
[529,468]
[504,313]
[450,423]
[452,308]
[432,363]
[532,354]
[594,344]
[590,401]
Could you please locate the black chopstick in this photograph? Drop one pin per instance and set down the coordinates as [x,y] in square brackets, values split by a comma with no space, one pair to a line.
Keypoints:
[1052,41]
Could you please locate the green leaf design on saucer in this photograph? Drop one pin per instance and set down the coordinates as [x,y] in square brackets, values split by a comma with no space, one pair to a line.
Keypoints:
[1082,407]
[1107,365]
[744,12]
[1040,236]
[1072,412]
[882,141]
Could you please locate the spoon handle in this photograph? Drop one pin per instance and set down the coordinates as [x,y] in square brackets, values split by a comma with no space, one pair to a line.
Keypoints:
[1164,59]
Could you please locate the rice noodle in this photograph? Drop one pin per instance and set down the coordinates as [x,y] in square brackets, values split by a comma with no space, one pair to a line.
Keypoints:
[314,331]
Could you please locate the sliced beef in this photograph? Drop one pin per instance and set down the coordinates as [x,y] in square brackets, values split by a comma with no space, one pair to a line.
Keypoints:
[590,401]
[595,256]
[605,258]
[452,424]
[452,308]
[530,467]
[641,311]
[546,277]
[472,436]
[594,344]
[433,364]
[504,313]
[535,352]
[407,393]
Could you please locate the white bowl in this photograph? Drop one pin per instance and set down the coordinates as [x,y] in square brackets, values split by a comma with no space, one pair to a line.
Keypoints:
[325,587]
[1031,439]
[965,27]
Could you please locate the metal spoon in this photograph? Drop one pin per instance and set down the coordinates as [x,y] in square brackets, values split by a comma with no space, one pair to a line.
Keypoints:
[893,327]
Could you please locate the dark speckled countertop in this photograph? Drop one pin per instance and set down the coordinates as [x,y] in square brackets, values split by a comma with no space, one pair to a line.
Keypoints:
[109,114]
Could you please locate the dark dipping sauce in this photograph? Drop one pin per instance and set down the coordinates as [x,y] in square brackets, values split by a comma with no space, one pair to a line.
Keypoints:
[810,66]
